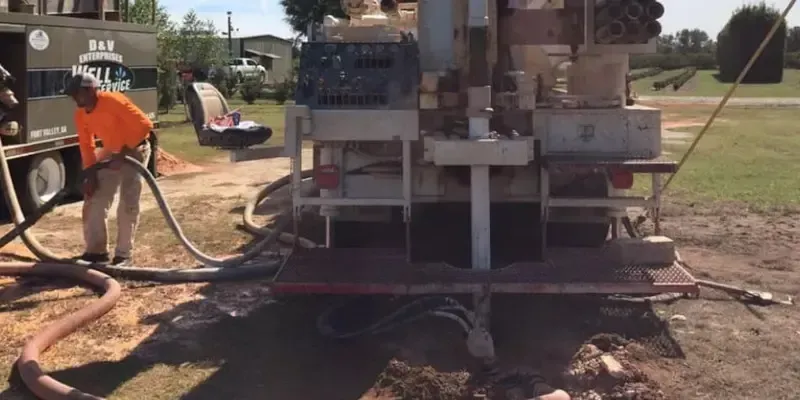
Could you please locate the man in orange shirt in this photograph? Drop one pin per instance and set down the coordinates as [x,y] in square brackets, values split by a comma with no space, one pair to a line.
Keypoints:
[123,130]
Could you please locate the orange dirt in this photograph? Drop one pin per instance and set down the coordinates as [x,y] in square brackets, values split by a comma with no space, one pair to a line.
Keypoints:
[169,165]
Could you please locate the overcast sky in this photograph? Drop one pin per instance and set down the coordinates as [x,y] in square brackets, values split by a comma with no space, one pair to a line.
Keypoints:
[254,17]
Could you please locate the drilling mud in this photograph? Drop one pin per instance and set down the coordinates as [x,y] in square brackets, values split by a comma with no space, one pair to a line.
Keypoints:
[605,367]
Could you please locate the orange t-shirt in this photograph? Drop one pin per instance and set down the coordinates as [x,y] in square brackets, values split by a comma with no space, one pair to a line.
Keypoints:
[115,120]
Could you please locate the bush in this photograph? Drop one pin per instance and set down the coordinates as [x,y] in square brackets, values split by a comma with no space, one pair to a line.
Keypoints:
[224,84]
[671,61]
[251,90]
[645,73]
[740,38]
[167,88]
[676,81]
[792,60]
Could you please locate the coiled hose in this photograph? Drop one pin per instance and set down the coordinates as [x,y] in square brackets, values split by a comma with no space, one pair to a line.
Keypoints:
[99,277]
[96,275]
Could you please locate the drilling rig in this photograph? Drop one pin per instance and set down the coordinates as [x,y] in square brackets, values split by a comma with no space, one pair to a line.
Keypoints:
[478,147]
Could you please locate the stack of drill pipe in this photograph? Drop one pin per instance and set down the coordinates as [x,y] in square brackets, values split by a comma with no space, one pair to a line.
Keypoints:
[627,21]
[608,22]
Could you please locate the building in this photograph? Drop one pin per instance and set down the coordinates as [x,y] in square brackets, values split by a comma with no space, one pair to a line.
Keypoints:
[274,53]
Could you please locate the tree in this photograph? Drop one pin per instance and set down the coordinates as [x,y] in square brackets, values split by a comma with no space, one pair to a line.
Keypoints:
[141,12]
[793,39]
[740,38]
[198,43]
[299,13]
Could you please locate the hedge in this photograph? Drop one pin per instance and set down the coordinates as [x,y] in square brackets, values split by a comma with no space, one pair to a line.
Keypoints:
[646,73]
[676,81]
[669,61]
[740,38]
[701,61]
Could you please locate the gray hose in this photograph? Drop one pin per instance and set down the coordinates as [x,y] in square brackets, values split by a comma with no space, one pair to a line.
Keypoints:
[215,272]
[250,208]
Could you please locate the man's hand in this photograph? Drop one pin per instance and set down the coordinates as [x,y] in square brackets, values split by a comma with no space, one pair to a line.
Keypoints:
[90,184]
[118,159]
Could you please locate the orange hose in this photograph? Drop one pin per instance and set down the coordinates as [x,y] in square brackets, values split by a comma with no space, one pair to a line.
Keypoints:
[41,384]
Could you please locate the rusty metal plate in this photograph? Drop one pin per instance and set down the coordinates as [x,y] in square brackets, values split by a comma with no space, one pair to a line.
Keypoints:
[386,271]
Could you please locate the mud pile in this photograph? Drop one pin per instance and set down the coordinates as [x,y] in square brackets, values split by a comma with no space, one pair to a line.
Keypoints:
[402,381]
[603,369]
[169,165]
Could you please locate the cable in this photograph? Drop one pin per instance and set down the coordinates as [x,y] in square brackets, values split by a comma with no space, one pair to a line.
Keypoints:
[732,89]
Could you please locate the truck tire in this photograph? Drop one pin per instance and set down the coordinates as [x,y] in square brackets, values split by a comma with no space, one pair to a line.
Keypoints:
[239,77]
[45,176]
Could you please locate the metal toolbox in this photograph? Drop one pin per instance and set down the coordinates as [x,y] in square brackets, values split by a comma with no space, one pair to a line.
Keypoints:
[630,132]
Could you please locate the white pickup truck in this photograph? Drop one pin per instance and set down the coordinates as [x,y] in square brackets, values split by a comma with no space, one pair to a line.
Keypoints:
[242,68]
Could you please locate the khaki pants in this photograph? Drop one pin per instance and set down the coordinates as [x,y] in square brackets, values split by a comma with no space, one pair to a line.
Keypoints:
[95,208]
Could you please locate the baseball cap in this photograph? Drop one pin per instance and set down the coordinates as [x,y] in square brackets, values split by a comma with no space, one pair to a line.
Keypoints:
[80,80]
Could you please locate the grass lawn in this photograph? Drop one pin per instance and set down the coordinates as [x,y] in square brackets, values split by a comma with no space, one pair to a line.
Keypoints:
[704,84]
[178,137]
[748,155]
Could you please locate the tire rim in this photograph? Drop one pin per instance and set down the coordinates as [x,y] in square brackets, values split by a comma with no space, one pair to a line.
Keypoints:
[48,179]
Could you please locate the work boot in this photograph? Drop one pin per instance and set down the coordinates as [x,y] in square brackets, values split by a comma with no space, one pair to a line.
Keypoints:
[121,261]
[94,258]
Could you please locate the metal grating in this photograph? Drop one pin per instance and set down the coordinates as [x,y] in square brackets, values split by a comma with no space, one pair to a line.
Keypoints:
[358,76]
[385,271]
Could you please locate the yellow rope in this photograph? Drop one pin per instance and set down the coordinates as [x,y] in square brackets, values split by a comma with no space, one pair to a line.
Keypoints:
[730,91]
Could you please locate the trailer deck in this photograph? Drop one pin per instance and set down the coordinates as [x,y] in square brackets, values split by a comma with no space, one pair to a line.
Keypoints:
[386,271]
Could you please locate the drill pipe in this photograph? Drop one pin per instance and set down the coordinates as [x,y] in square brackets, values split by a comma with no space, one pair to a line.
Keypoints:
[652,29]
[633,29]
[609,12]
[634,10]
[609,33]
[654,10]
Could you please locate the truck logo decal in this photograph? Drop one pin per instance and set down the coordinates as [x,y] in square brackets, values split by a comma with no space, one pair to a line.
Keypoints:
[586,132]
[39,40]
[106,65]
[47,132]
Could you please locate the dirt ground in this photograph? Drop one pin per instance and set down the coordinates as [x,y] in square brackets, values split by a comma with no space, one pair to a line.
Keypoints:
[233,340]
[169,165]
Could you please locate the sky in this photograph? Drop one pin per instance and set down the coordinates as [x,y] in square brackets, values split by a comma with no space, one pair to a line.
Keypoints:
[256,17]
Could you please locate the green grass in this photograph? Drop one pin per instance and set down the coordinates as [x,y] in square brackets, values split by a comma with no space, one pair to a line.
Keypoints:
[704,84]
[749,156]
[178,137]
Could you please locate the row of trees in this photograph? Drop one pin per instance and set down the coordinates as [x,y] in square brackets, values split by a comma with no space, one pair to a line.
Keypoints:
[732,48]
[192,43]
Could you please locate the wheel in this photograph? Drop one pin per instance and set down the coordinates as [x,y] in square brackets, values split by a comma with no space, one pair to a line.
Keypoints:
[239,77]
[263,77]
[45,176]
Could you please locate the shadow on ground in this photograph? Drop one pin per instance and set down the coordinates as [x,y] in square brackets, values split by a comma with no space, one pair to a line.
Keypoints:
[275,352]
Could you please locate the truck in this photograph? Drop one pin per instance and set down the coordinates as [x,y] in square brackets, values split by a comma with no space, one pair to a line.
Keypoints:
[41,50]
[246,68]
[449,162]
